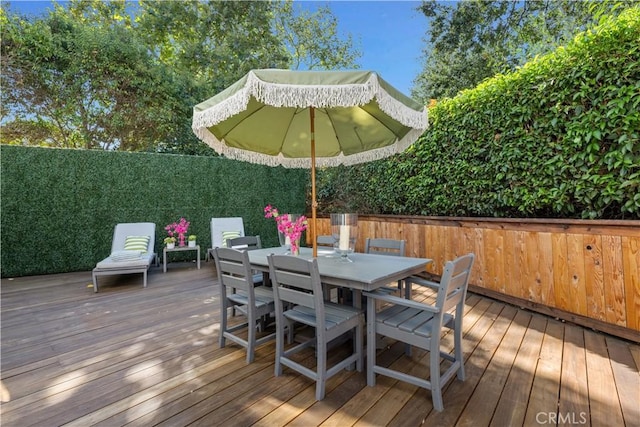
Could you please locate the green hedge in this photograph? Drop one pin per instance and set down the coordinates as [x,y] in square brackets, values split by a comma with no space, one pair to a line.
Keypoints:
[558,138]
[59,207]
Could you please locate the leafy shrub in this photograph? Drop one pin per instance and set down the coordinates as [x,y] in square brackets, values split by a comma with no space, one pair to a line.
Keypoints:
[59,207]
[558,138]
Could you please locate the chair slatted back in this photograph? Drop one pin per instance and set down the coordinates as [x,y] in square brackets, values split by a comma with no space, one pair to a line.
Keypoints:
[455,279]
[248,243]
[296,280]
[325,241]
[234,269]
[385,246]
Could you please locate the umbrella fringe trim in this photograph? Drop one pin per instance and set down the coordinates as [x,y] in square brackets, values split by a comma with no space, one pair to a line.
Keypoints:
[303,96]
[397,110]
[223,110]
[305,163]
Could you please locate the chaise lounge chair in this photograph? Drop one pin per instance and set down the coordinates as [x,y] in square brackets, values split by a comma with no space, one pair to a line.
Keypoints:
[131,251]
[223,229]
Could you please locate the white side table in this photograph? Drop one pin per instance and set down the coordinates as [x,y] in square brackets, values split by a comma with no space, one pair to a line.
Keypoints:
[179,249]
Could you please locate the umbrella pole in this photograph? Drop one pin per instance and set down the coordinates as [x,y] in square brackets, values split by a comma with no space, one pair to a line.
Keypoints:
[313,182]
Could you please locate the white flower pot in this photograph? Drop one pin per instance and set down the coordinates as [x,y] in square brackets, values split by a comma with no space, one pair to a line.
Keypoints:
[171,245]
[192,243]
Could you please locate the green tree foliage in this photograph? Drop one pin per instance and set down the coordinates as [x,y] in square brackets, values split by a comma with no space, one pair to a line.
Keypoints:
[560,137]
[215,42]
[473,40]
[79,87]
[300,32]
[207,46]
[122,75]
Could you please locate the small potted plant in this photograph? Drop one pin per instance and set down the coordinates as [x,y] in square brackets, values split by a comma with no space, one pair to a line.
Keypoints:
[192,240]
[170,242]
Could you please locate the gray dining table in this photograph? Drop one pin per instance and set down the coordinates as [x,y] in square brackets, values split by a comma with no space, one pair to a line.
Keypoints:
[367,272]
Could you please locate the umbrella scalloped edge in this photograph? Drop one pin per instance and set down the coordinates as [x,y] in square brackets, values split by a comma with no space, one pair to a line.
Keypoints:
[303,96]
[301,163]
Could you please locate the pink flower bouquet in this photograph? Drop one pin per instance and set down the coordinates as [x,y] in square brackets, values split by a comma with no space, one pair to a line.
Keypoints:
[291,229]
[179,229]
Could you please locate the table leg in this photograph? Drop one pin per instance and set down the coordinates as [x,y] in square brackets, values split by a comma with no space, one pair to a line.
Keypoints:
[164,260]
[407,289]
[357,298]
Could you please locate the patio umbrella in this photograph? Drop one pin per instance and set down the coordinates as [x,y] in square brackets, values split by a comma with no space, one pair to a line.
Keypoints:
[304,119]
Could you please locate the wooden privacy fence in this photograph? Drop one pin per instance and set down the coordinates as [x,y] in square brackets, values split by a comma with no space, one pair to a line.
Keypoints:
[584,271]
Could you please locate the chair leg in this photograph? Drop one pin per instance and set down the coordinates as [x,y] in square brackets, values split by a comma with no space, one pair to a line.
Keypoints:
[321,369]
[251,337]
[280,345]
[359,343]
[289,331]
[458,353]
[233,307]
[223,324]
[371,342]
[263,321]
[95,282]
[436,387]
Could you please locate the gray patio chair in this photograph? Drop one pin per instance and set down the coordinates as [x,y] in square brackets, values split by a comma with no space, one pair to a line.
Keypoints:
[421,325]
[391,247]
[245,242]
[325,241]
[238,291]
[223,229]
[328,242]
[131,252]
[296,281]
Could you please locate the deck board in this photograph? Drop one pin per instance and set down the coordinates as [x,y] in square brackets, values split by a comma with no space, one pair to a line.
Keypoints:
[627,378]
[603,398]
[512,407]
[574,399]
[139,357]
[543,398]
[480,408]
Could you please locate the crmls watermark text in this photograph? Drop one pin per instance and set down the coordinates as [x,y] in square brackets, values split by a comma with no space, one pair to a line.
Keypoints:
[560,418]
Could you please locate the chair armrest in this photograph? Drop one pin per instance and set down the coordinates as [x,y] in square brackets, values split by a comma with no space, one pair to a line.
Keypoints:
[401,301]
[423,282]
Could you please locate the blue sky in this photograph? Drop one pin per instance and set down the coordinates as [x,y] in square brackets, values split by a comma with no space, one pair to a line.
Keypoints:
[391,35]
[390,32]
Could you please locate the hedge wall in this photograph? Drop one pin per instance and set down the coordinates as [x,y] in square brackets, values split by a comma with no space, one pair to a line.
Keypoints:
[558,138]
[59,207]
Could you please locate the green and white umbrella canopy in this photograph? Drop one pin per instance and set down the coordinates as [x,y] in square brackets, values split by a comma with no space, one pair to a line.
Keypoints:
[274,117]
[264,118]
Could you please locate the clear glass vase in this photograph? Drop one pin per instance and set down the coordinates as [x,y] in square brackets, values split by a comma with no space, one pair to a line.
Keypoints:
[344,228]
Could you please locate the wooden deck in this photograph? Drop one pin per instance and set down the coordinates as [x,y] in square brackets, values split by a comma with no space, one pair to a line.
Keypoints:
[143,357]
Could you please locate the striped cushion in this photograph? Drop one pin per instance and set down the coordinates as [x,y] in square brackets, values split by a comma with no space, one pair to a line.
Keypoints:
[226,235]
[136,243]
[124,255]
